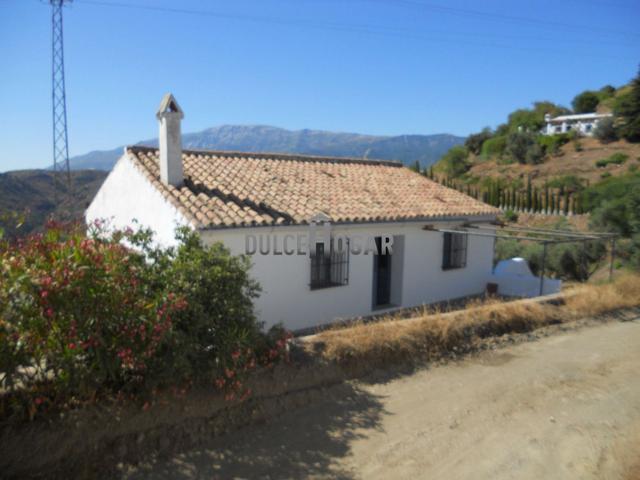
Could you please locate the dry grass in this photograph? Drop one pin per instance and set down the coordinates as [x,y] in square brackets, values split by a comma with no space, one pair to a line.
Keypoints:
[581,164]
[437,335]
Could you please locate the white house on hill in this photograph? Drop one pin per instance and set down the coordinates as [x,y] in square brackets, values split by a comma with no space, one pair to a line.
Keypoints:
[313,225]
[583,123]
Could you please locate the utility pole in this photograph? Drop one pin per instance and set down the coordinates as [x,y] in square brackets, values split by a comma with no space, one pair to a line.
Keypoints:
[61,172]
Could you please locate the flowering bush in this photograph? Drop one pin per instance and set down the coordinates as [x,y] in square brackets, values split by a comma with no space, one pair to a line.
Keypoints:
[76,316]
[84,316]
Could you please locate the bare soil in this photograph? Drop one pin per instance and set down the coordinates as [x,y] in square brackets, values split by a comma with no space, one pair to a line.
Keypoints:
[563,407]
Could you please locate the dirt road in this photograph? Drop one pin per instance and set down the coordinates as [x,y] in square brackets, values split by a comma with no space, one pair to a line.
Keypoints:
[564,407]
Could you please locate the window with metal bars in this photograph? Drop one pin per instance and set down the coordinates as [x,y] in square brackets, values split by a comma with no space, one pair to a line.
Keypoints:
[329,270]
[454,254]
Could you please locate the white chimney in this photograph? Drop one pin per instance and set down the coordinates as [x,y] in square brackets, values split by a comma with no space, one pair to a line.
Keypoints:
[169,115]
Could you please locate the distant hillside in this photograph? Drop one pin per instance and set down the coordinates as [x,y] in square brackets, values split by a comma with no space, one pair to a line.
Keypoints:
[560,168]
[32,192]
[517,152]
[426,149]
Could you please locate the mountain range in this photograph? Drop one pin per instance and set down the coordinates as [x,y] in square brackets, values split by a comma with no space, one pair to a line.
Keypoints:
[426,149]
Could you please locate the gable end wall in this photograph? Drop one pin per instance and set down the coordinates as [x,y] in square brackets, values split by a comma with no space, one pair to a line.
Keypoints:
[127,195]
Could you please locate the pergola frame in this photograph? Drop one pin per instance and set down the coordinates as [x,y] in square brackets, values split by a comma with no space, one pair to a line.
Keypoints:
[541,235]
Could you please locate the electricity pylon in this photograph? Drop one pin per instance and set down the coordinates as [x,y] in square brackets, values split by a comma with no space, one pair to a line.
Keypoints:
[61,172]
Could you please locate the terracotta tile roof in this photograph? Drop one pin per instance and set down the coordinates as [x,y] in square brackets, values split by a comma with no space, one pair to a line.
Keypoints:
[231,189]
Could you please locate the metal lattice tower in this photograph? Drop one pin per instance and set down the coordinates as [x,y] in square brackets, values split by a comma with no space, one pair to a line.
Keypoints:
[61,172]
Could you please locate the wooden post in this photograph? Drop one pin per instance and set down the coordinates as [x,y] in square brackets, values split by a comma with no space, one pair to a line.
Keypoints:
[613,255]
[585,266]
[542,268]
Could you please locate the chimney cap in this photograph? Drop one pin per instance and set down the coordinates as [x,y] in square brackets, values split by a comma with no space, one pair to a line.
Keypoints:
[169,105]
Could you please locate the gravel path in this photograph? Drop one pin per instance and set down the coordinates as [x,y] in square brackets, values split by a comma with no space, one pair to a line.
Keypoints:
[564,407]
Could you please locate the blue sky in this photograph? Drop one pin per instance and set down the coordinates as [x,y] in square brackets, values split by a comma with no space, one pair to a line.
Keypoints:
[368,66]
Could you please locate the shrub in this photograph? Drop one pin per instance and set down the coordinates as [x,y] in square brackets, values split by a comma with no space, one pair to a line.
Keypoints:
[510,216]
[575,140]
[614,159]
[218,318]
[76,314]
[615,204]
[84,317]
[534,155]
[552,143]
[605,131]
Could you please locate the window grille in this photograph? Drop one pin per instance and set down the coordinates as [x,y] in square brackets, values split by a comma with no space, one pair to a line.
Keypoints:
[454,254]
[329,270]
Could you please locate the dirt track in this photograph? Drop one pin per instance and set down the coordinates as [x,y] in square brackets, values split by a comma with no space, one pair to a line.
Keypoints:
[564,407]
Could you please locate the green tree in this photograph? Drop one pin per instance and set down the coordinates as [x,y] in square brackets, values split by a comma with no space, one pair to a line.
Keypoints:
[585,102]
[606,131]
[494,146]
[525,120]
[474,141]
[545,107]
[608,91]
[455,162]
[517,145]
[628,112]
[615,204]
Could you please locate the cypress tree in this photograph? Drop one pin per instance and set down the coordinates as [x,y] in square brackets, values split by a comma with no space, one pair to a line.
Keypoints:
[546,198]
[528,200]
[540,202]
[566,202]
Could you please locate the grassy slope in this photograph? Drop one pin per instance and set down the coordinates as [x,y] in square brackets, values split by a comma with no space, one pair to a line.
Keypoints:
[570,162]
[32,192]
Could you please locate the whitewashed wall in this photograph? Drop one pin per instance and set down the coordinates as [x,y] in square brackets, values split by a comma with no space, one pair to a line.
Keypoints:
[287,298]
[127,195]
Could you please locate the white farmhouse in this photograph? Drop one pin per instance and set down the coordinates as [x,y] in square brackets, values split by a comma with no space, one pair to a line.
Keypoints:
[583,123]
[267,204]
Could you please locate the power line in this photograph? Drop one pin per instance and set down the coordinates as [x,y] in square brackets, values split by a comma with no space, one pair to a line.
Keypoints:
[346,27]
[500,17]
